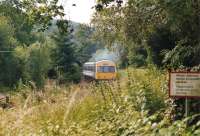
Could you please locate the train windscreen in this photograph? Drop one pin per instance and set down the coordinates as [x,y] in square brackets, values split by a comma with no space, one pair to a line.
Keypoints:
[106,69]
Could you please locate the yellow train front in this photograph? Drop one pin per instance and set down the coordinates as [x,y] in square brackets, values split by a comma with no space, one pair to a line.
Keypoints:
[100,70]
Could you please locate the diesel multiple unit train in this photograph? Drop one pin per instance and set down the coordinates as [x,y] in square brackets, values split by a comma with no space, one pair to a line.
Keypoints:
[100,70]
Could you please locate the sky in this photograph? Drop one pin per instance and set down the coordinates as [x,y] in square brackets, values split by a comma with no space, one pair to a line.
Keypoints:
[81,13]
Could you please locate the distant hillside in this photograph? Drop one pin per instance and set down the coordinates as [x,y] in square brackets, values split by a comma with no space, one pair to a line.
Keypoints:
[54,28]
[81,36]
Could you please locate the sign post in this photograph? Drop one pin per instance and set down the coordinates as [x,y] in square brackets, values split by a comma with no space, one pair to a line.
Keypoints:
[184,85]
[186,107]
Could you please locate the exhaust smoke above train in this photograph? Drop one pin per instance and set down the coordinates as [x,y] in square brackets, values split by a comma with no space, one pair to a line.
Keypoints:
[103,54]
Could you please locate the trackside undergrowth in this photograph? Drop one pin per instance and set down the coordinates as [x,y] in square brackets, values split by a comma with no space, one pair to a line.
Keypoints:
[136,104]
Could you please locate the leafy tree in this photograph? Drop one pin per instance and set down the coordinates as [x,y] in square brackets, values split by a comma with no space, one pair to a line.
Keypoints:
[19,20]
[38,64]
[37,13]
[65,58]
[161,40]
[109,30]
[183,20]
[156,26]
[42,12]
[9,69]
[85,44]
[137,56]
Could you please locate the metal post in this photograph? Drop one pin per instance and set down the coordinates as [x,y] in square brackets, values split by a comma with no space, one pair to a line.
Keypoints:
[186,107]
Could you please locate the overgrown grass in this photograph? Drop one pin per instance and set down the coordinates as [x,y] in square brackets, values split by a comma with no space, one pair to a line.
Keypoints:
[135,104]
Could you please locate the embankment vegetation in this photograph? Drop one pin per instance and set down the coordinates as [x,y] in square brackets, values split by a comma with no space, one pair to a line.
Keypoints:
[136,103]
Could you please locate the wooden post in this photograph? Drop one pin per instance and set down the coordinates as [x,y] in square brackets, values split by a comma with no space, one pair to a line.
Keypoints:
[7,99]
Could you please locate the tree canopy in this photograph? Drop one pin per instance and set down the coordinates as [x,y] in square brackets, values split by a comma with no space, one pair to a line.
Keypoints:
[158,27]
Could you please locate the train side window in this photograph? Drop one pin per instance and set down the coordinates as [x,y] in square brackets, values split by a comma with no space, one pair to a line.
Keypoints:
[93,68]
[89,67]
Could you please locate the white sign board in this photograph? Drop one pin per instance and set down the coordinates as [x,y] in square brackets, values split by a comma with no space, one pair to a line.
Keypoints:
[184,84]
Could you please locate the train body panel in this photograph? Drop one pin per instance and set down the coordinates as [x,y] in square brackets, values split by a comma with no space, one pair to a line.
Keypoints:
[89,69]
[105,76]
[89,73]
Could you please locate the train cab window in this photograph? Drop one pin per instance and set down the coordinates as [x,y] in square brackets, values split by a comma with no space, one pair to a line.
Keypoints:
[106,69]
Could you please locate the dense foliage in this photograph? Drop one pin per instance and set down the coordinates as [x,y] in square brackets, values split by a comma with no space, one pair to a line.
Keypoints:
[166,31]
[34,46]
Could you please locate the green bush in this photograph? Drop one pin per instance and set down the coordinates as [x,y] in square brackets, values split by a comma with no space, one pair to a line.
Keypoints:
[38,64]
[145,93]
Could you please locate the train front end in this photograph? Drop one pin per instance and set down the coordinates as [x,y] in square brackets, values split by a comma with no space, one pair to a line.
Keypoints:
[105,70]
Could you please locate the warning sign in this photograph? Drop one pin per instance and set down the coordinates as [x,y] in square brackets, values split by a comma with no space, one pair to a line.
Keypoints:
[184,84]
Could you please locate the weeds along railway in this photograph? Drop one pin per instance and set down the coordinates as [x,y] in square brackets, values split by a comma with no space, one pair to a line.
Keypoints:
[100,70]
